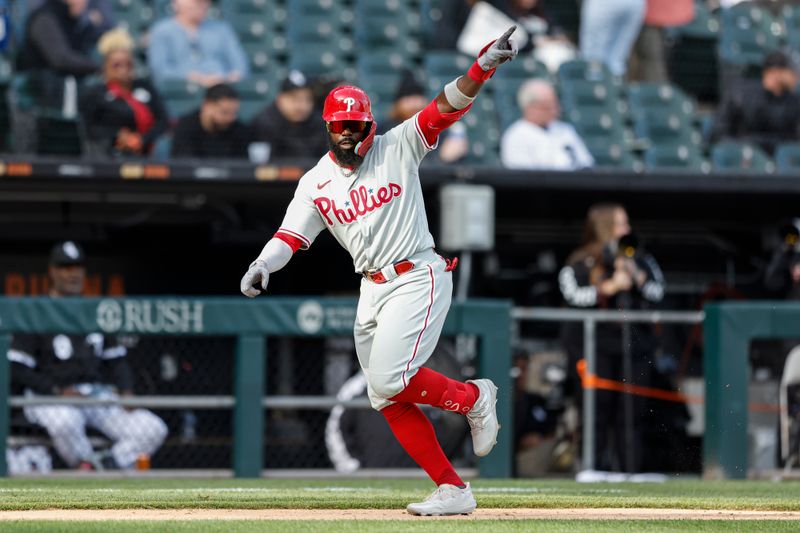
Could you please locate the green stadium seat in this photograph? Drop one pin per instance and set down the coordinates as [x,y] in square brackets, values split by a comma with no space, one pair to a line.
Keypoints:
[255,94]
[447,63]
[579,69]
[371,62]
[483,132]
[790,14]
[505,98]
[386,31]
[181,97]
[643,96]
[748,15]
[592,122]
[381,89]
[262,60]
[136,16]
[746,46]
[583,93]
[787,157]
[315,29]
[663,126]
[333,10]
[251,28]
[677,156]
[319,59]
[522,68]
[5,118]
[275,8]
[611,154]
[739,156]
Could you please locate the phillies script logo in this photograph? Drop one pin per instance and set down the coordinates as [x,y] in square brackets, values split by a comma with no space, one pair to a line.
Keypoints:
[361,202]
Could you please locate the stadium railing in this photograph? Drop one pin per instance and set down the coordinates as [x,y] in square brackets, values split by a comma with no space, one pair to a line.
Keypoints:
[251,323]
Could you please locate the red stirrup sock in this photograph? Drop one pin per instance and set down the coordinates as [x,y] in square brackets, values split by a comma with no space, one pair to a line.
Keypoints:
[432,388]
[416,435]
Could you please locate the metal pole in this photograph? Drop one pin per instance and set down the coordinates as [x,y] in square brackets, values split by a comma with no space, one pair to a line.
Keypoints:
[630,452]
[589,353]
[464,275]
[248,415]
[5,379]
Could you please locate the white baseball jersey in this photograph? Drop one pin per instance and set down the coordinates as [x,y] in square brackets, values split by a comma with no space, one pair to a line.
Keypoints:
[377,214]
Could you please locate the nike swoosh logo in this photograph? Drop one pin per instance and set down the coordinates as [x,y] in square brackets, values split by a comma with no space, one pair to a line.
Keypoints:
[320,186]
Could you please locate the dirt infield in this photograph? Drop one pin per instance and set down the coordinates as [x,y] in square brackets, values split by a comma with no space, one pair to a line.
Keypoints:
[390,514]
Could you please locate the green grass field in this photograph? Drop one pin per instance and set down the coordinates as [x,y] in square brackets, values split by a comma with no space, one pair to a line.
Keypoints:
[41,494]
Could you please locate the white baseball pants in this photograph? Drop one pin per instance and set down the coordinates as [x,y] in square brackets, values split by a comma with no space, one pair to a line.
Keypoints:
[398,324]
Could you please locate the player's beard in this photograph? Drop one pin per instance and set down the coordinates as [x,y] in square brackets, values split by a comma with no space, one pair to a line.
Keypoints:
[345,157]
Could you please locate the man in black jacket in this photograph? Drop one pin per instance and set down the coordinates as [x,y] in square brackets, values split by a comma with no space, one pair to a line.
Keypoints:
[289,125]
[91,365]
[765,111]
[214,130]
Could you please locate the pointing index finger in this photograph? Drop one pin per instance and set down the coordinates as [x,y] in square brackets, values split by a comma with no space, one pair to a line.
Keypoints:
[507,34]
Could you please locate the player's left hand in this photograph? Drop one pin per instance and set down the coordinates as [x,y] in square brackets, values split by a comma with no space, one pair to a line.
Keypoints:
[258,273]
[498,52]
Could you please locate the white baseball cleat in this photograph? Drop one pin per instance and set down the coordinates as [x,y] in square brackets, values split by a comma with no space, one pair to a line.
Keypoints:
[445,500]
[483,417]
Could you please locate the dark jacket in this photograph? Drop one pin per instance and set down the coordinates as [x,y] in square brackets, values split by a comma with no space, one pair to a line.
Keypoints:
[778,279]
[191,140]
[104,114]
[578,291]
[56,41]
[752,113]
[47,364]
[290,139]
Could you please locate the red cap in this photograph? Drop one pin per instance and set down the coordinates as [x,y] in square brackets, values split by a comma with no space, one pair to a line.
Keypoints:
[347,103]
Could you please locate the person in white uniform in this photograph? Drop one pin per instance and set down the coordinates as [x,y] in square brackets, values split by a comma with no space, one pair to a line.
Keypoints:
[93,365]
[366,192]
[538,140]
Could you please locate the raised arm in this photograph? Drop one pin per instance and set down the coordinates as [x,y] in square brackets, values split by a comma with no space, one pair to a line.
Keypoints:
[457,96]
[460,93]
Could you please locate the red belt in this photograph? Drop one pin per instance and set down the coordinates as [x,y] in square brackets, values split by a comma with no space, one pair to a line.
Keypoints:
[400,267]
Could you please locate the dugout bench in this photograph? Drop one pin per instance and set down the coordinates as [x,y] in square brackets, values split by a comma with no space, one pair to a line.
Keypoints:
[252,322]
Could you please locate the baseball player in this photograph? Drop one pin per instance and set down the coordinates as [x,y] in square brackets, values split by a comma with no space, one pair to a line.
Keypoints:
[366,192]
[83,366]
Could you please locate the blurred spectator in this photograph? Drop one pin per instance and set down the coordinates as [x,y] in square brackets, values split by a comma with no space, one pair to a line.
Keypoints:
[539,140]
[410,99]
[548,42]
[214,130]
[58,44]
[97,19]
[782,277]
[608,31]
[290,126]
[57,38]
[189,47]
[450,17]
[765,111]
[648,61]
[609,271]
[91,366]
[123,115]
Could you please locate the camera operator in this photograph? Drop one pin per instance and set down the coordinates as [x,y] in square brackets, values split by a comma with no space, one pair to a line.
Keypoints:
[609,271]
[782,277]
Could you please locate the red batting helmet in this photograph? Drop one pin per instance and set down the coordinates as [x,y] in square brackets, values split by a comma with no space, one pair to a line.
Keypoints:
[347,103]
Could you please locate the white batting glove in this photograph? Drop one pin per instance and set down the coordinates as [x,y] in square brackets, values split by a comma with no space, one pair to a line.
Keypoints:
[500,51]
[257,273]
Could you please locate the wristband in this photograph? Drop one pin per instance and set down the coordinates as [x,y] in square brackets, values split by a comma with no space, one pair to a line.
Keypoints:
[455,97]
[478,75]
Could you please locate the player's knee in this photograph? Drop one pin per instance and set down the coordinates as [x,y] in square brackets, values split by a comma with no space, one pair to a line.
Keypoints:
[385,386]
[63,422]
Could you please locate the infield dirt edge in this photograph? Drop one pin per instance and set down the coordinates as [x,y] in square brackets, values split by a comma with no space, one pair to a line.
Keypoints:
[392,514]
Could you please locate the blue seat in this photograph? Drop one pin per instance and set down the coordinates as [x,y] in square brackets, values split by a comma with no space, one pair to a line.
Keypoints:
[676,156]
[740,156]
[663,126]
[180,97]
[579,69]
[611,153]
[787,157]
[642,96]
